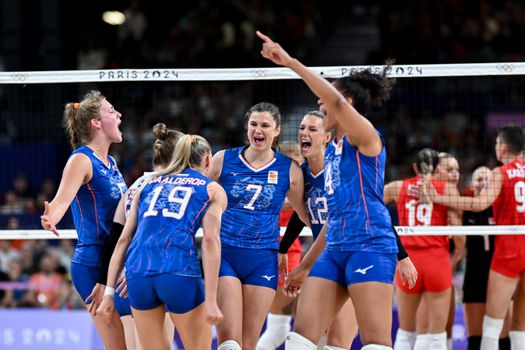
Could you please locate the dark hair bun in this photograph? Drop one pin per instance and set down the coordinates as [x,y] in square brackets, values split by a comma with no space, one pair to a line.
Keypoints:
[160,130]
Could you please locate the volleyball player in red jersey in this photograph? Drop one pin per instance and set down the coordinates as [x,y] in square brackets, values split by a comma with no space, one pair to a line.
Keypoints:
[506,193]
[448,171]
[430,255]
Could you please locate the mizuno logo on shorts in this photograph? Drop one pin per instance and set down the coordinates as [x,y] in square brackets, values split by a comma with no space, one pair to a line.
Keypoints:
[269,278]
[364,270]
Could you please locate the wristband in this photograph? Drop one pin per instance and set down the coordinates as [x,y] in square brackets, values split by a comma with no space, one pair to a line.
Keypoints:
[109,291]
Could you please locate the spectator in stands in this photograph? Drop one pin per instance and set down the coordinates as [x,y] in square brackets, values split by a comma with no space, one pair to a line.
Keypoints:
[15,297]
[13,205]
[27,252]
[7,254]
[46,284]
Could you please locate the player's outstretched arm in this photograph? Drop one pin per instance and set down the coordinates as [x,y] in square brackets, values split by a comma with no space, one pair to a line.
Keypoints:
[360,132]
[77,171]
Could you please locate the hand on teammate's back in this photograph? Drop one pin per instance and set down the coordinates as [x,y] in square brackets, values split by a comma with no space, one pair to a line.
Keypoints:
[427,193]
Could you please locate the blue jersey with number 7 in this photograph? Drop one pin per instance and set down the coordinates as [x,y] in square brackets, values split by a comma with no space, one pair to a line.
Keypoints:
[255,200]
[169,213]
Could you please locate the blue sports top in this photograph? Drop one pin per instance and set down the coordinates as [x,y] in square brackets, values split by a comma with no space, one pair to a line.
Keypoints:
[255,199]
[94,207]
[358,220]
[315,198]
[169,213]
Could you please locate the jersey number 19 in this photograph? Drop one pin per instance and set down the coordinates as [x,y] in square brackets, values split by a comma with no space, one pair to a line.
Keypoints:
[182,201]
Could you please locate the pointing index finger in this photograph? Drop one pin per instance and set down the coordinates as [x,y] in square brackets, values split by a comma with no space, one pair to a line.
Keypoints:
[265,38]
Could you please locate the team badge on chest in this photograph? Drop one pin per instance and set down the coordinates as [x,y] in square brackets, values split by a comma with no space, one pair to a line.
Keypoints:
[273,177]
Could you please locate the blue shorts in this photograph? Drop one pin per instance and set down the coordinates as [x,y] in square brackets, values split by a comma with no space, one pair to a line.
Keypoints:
[84,279]
[346,268]
[250,266]
[180,294]
[122,305]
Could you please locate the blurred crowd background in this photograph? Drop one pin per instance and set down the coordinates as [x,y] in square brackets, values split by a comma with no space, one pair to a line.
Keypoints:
[456,115]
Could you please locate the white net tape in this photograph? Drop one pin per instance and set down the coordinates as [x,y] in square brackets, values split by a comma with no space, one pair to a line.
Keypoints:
[173,74]
[401,230]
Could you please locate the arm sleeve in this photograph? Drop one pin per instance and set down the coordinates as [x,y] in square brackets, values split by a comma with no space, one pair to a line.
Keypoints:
[107,251]
[294,228]
[402,253]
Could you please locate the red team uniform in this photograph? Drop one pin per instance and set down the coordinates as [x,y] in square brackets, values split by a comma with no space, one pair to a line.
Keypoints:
[509,209]
[430,254]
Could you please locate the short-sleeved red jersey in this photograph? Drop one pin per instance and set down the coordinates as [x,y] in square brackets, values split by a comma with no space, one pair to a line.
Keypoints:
[509,209]
[413,213]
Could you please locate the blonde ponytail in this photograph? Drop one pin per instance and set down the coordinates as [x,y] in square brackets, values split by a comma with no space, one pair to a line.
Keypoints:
[189,151]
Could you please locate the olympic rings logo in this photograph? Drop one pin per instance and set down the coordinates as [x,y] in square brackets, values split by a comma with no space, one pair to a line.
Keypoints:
[19,76]
[259,72]
[507,68]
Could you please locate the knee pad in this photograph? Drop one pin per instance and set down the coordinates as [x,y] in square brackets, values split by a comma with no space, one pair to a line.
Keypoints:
[517,339]
[295,341]
[277,327]
[404,340]
[331,347]
[437,341]
[422,341]
[375,347]
[492,327]
[229,345]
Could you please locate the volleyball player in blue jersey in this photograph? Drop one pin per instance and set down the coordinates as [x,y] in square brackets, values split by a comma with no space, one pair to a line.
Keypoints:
[256,178]
[92,184]
[162,262]
[360,255]
[163,148]
[313,139]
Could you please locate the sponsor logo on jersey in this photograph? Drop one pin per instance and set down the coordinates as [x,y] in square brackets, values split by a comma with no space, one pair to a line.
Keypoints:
[273,177]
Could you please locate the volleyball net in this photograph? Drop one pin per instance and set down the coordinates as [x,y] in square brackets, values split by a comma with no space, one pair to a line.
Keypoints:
[454,108]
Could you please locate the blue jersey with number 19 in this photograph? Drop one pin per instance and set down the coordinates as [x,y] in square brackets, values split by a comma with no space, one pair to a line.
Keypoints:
[255,199]
[358,220]
[169,213]
[94,207]
[315,198]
